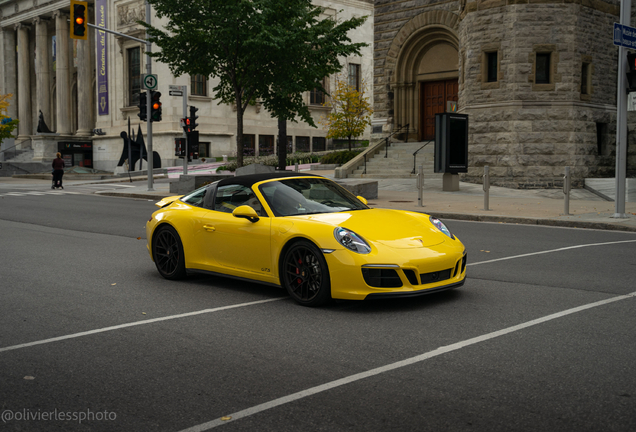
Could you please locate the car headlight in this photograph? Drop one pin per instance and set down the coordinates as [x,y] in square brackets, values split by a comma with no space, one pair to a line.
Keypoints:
[351,240]
[440,226]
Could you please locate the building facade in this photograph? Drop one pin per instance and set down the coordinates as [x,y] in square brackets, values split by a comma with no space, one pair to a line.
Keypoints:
[536,78]
[76,87]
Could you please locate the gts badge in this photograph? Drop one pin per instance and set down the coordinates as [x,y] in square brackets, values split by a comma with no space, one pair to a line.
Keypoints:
[264,269]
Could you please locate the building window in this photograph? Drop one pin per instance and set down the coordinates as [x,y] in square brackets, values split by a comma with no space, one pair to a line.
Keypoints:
[492,66]
[199,85]
[248,145]
[601,139]
[134,75]
[585,78]
[302,144]
[542,71]
[204,150]
[265,145]
[317,96]
[319,144]
[354,76]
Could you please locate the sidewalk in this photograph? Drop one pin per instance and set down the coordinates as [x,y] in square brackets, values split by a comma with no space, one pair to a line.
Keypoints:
[534,206]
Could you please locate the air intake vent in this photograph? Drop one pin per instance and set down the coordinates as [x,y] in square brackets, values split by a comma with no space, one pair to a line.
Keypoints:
[381,278]
[411,276]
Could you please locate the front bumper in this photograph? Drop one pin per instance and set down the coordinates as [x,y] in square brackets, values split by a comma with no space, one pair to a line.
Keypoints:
[397,273]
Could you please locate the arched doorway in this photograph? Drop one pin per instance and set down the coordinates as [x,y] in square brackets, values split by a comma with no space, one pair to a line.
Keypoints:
[426,71]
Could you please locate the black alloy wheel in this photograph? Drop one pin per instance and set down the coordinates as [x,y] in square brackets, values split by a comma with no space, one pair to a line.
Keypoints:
[167,251]
[305,274]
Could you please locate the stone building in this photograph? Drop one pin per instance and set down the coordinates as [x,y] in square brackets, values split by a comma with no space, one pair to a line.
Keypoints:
[80,86]
[537,79]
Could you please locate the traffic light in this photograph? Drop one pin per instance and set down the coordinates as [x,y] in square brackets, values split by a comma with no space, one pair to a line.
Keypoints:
[79,25]
[193,118]
[143,109]
[155,106]
[631,72]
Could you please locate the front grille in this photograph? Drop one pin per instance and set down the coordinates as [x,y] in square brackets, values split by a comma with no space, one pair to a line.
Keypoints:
[381,278]
[437,276]
[464,262]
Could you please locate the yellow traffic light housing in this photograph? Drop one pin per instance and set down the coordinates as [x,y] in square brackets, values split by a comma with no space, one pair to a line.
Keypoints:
[79,23]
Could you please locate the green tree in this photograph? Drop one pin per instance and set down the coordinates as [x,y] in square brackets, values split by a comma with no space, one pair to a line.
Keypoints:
[351,111]
[266,50]
[6,124]
[303,49]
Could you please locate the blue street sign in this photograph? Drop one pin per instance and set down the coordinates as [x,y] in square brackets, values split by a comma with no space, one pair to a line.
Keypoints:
[624,36]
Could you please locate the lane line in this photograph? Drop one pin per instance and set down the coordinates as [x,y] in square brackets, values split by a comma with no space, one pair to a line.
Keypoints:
[400,364]
[138,323]
[551,251]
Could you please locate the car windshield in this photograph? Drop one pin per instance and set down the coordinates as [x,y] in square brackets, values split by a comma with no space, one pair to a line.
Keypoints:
[301,196]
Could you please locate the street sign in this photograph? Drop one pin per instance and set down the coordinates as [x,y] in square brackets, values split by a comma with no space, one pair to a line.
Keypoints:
[150,82]
[175,93]
[624,36]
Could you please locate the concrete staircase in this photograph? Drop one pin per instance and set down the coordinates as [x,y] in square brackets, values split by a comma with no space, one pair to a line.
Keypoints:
[21,162]
[398,162]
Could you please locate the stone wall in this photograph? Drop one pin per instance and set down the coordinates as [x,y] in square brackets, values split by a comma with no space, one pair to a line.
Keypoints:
[526,132]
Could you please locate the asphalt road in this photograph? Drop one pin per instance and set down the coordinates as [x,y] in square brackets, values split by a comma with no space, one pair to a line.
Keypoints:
[541,336]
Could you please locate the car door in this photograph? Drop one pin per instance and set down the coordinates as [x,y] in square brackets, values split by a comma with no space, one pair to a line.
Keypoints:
[240,247]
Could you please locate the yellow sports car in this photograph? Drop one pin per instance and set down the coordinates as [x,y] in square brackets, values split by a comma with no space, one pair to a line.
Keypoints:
[307,234]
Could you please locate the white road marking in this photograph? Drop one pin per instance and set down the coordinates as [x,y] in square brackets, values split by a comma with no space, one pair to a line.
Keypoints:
[138,323]
[400,364]
[551,251]
[51,192]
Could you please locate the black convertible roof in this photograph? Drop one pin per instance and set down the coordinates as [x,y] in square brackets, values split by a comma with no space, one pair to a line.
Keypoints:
[249,180]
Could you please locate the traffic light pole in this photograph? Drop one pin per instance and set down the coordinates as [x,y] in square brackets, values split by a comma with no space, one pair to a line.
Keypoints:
[148,104]
[621,118]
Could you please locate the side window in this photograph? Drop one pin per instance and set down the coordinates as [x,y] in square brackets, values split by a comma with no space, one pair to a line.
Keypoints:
[232,196]
[196,198]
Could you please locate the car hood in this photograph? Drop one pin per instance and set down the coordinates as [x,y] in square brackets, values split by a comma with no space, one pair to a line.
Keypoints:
[394,228]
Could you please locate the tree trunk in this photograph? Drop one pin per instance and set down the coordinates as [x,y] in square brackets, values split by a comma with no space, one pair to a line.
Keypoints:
[282,144]
[239,130]
[349,142]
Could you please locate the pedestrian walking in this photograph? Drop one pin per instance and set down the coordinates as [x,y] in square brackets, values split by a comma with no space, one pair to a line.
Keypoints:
[58,171]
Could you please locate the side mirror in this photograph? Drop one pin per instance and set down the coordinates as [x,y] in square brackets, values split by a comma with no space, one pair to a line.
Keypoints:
[246,212]
[363,199]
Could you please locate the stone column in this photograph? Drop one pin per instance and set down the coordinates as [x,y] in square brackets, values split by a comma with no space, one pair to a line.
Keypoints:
[42,74]
[8,74]
[410,104]
[84,100]
[62,75]
[25,127]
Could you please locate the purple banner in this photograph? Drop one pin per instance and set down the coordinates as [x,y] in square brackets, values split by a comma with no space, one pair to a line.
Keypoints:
[101,20]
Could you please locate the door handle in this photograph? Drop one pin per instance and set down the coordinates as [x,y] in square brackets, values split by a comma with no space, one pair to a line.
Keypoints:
[209,228]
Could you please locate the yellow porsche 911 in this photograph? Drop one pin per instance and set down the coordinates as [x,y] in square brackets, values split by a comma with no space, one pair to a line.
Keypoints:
[307,234]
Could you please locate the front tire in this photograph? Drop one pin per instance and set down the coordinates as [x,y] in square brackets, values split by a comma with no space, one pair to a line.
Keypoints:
[167,250]
[305,275]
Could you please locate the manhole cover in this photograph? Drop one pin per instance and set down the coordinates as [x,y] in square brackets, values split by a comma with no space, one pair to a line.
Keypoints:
[400,201]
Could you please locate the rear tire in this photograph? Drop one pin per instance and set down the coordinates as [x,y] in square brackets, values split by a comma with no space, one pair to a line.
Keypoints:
[305,275]
[167,251]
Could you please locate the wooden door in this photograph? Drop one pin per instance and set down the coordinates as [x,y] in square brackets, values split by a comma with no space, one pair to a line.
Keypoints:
[433,98]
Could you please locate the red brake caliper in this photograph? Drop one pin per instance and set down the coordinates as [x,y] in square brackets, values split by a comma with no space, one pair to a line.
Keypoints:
[300,261]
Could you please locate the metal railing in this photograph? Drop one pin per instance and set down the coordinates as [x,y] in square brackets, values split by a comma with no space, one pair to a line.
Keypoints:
[4,153]
[415,155]
[388,139]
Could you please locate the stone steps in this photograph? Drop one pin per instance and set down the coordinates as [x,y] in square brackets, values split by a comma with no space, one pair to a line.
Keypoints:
[398,162]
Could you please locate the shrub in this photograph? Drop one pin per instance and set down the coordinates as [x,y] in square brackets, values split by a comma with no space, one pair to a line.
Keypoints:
[339,157]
